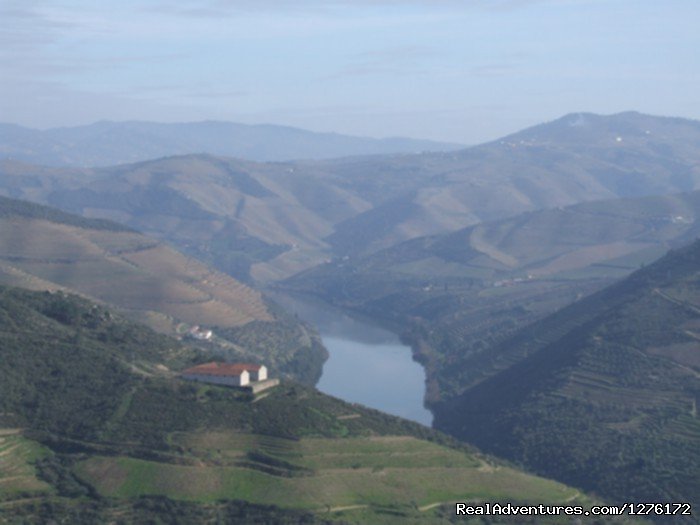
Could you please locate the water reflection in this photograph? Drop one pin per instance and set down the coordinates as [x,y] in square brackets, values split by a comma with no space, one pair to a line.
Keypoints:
[367,364]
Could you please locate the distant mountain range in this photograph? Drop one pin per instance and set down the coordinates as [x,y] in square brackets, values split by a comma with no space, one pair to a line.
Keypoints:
[107,143]
[579,157]
[271,220]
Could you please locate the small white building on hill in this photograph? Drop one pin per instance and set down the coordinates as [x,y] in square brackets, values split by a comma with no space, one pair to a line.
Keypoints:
[229,374]
[200,334]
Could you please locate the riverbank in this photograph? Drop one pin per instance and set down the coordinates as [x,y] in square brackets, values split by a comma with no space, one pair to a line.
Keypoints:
[367,364]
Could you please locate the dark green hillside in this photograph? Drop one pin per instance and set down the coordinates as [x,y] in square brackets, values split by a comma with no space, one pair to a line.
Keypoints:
[96,427]
[603,394]
[66,363]
[293,346]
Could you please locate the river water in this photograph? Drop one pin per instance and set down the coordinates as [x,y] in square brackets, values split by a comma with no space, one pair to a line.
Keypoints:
[367,364]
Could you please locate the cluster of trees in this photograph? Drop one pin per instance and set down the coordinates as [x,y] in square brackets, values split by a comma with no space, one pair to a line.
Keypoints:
[153,510]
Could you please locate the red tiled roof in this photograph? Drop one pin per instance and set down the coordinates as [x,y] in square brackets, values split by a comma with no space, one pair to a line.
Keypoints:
[222,369]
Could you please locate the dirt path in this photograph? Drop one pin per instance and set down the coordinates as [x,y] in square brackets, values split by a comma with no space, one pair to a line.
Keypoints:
[425,508]
[346,507]
[689,306]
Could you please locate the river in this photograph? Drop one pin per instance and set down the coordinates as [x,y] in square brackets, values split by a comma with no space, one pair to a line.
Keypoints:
[367,364]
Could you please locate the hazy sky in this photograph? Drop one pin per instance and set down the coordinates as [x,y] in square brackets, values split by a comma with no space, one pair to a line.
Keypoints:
[464,71]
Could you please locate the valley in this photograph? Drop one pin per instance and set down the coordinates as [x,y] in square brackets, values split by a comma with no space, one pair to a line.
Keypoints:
[113,430]
[350,262]
[454,295]
[366,364]
[527,275]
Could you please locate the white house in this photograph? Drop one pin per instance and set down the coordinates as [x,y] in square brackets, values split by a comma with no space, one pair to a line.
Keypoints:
[257,372]
[202,335]
[230,374]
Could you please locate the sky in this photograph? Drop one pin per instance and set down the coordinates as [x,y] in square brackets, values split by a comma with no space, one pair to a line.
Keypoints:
[461,71]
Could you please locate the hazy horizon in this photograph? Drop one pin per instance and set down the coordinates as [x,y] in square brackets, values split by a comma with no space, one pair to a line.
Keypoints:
[430,70]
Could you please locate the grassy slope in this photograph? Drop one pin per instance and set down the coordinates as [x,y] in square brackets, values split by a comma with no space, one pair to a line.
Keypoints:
[375,472]
[17,457]
[603,394]
[96,391]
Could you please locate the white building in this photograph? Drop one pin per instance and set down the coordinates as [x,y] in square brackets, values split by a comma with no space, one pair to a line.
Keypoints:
[230,374]
[257,372]
[202,335]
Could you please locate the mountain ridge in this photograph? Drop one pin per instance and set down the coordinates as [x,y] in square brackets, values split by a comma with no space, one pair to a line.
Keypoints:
[106,143]
[267,221]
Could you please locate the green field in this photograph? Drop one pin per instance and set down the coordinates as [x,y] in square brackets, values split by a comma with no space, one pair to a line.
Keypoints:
[17,472]
[316,474]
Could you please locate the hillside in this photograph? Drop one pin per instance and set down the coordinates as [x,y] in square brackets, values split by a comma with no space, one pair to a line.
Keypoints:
[97,426]
[107,143]
[602,394]
[46,249]
[267,221]
[454,295]
[577,158]
[228,213]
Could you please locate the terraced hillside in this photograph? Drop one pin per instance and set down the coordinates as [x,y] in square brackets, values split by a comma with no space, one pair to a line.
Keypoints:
[45,249]
[118,266]
[18,455]
[602,394]
[110,431]
[269,221]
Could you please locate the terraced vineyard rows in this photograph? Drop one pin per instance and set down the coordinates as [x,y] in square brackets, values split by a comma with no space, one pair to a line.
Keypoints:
[18,477]
[128,270]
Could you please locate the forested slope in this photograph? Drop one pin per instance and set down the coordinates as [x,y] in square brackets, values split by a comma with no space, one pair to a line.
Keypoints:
[602,394]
